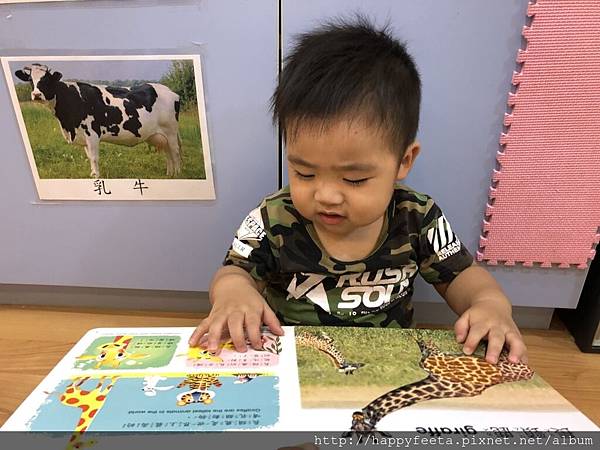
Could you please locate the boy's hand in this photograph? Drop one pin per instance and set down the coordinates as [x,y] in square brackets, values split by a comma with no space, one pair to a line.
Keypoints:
[491,321]
[239,316]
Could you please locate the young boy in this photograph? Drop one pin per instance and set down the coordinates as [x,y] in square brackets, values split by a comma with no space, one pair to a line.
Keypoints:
[342,244]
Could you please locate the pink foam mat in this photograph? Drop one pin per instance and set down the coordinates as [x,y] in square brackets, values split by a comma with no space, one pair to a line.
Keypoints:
[544,202]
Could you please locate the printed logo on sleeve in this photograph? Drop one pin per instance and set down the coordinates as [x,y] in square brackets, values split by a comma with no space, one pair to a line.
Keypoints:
[442,239]
[252,228]
[240,248]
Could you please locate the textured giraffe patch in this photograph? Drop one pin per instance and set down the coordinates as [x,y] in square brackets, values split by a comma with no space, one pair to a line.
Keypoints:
[391,360]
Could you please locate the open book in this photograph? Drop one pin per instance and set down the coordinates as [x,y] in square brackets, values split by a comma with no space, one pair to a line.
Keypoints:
[312,378]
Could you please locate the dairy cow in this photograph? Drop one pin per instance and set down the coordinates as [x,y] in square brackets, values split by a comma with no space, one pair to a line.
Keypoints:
[91,113]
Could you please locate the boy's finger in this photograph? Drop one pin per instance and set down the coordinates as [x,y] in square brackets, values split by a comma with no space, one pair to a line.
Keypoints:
[214,335]
[517,349]
[235,323]
[271,321]
[253,330]
[494,347]
[473,338]
[198,333]
[203,341]
[461,328]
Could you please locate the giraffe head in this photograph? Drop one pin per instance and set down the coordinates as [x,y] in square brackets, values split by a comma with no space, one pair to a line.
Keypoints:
[199,354]
[348,368]
[513,371]
[113,353]
[361,423]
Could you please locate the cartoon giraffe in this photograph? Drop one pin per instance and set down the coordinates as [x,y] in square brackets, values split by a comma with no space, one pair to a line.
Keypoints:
[449,375]
[199,354]
[199,382]
[195,354]
[113,353]
[325,344]
[90,402]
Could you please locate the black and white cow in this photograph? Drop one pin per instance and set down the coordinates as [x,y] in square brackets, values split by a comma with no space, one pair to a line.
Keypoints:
[91,113]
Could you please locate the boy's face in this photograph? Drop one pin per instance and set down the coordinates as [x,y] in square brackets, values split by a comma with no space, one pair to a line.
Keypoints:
[342,178]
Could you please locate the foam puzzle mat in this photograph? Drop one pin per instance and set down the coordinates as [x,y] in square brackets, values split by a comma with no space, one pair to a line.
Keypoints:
[544,201]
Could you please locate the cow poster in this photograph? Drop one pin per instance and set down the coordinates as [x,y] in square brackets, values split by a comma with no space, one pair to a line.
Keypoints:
[113,127]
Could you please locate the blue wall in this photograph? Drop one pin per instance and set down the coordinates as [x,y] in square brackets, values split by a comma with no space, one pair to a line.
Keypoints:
[465,50]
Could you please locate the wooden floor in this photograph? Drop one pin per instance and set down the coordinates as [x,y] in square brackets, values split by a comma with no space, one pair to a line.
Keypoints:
[33,340]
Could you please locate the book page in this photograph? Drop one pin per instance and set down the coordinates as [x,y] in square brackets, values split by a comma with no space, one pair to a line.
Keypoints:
[348,380]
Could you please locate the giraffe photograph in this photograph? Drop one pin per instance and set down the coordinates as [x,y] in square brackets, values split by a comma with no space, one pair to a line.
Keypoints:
[389,370]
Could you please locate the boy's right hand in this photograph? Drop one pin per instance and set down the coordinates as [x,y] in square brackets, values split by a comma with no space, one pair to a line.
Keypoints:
[239,316]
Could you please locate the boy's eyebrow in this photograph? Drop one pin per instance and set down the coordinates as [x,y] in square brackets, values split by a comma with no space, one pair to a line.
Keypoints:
[351,167]
[299,161]
[355,167]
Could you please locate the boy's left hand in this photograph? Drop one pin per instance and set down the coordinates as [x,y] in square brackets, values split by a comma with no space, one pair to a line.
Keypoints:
[486,320]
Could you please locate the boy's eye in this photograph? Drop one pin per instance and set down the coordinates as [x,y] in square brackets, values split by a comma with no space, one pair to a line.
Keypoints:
[356,182]
[306,176]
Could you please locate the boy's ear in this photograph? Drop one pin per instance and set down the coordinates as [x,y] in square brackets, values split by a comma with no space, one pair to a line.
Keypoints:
[411,153]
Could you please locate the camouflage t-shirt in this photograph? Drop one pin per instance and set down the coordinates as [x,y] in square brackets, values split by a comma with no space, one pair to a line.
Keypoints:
[306,286]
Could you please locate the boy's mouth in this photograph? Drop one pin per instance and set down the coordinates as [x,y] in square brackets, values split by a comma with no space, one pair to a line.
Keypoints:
[330,219]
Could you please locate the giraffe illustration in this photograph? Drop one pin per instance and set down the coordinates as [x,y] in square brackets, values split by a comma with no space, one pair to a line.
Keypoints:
[200,354]
[325,344]
[199,384]
[113,353]
[89,402]
[449,375]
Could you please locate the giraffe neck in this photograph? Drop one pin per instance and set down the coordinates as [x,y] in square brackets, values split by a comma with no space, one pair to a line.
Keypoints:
[89,402]
[323,344]
[335,355]
[427,389]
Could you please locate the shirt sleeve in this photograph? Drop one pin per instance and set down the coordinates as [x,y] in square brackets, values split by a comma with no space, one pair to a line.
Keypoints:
[251,249]
[442,256]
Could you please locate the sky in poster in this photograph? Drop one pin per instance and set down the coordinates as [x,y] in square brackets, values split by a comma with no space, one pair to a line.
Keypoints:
[127,69]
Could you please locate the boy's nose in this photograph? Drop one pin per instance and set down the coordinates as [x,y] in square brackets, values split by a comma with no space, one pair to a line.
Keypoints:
[328,195]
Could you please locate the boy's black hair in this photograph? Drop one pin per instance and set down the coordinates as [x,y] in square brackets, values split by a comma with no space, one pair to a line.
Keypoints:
[349,70]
